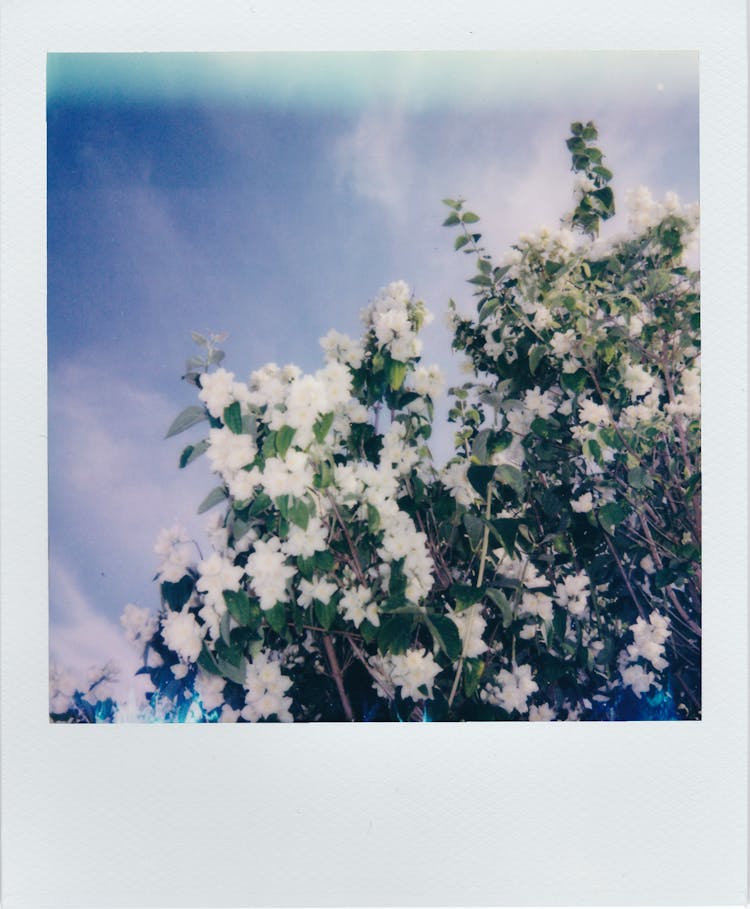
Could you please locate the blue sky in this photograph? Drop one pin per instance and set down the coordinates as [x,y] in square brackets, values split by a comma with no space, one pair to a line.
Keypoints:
[270,196]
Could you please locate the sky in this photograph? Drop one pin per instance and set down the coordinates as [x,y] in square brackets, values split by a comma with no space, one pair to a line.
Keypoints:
[270,196]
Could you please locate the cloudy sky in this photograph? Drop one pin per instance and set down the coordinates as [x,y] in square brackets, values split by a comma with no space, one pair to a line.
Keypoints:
[270,196]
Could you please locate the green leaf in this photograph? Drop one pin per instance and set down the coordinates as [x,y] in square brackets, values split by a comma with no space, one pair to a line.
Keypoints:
[276,617]
[324,478]
[234,673]
[373,518]
[324,560]
[461,241]
[481,281]
[207,662]
[452,203]
[325,613]
[177,593]
[299,513]
[488,307]
[469,217]
[638,478]
[506,530]
[480,475]
[472,675]
[475,529]
[464,596]
[394,635]
[259,503]
[284,439]
[574,381]
[321,426]
[501,601]
[192,452]
[451,220]
[536,355]
[396,373]
[610,516]
[511,476]
[368,631]
[589,131]
[189,417]
[445,633]
[198,338]
[238,605]
[224,628]
[594,450]
[233,418]
[213,498]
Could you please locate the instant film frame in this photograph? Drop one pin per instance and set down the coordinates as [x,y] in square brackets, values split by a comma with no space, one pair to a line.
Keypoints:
[552,814]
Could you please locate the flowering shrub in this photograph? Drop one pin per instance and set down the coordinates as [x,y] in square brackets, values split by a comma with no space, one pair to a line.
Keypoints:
[549,571]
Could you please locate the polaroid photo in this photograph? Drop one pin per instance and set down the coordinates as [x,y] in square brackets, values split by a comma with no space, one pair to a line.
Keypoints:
[375,383]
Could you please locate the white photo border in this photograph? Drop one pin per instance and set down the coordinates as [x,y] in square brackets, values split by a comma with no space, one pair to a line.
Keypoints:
[425,814]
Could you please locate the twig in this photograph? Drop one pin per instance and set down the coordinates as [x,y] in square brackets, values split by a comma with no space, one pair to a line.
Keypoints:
[338,677]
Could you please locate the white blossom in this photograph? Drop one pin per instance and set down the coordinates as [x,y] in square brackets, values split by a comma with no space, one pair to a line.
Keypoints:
[269,572]
[265,690]
[182,634]
[217,391]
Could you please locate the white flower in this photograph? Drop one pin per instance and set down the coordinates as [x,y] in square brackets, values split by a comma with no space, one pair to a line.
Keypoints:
[536,604]
[357,604]
[647,564]
[266,687]
[139,624]
[210,689]
[267,387]
[217,574]
[217,391]
[584,503]
[291,476]
[471,626]
[269,572]
[428,381]
[176,552]
[649,638]
[183,635]
[573,593]
[637,678]
[562,343]
[520,569]
[413,670]
[229,452]
[589,412]
[541,404]
[62,687]
[513,689]
[341,349]
[542,713]
[305,543]
[455,478]
[318,589]
[637,380]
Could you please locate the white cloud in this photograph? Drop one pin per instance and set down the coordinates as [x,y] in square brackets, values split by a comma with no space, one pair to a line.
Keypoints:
[375,159]
[86,639]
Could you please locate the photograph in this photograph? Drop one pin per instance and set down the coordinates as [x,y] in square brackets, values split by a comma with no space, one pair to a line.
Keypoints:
[374,387]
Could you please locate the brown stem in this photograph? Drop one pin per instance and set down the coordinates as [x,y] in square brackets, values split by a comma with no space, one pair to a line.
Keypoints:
[338,676]
[350,542]
[625,577]
[381,681]
[695,628]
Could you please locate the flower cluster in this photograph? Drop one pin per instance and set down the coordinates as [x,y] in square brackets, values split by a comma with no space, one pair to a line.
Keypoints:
[551,570]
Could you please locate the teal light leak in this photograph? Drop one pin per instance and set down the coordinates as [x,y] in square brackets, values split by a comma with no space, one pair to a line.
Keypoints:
[415,81]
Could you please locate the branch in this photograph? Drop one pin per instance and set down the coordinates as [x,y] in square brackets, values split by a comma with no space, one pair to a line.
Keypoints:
[338,677]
